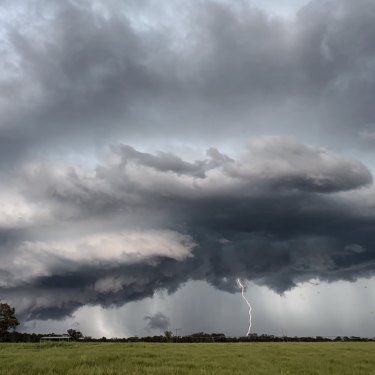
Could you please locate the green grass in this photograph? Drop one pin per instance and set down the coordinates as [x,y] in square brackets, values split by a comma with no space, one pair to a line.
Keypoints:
[139,358]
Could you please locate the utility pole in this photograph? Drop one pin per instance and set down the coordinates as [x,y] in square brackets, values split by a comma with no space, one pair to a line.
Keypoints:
[178,330]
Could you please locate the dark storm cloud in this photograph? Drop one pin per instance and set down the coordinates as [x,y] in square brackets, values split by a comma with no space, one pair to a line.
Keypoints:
[130,177]
[280,213]
[158,321]
[75,68]
[81,73]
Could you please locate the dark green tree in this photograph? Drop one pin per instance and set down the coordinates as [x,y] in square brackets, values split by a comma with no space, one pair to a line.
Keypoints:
[75,335]
[168,335]
[8,320]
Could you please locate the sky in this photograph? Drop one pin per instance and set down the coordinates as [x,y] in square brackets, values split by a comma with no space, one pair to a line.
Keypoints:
[152,152]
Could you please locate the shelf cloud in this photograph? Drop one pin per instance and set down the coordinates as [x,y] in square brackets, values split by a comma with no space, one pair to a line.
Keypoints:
[279,213]
[105,107]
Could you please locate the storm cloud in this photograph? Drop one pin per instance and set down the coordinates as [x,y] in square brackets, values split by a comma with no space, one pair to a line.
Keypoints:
[157,322]
[279,213]
[81,73]
[105,107]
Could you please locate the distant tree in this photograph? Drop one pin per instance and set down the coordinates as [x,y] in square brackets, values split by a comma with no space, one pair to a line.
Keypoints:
[75,335]
[168,335]
[8,320]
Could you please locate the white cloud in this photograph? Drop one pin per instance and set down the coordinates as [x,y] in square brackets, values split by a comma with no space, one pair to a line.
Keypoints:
[39,258]
[17,211]
[126,247]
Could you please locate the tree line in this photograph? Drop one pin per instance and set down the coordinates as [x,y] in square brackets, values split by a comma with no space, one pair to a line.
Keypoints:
[9,323]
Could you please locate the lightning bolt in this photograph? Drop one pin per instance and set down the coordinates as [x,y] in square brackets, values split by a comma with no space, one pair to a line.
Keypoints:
[240,285]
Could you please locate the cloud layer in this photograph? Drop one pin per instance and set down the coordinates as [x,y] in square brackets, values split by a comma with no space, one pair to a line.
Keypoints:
[279,213]
[157,322]
[120,79]
[84,72]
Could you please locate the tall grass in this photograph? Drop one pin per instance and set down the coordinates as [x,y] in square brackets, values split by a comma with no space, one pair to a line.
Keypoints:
[139,358]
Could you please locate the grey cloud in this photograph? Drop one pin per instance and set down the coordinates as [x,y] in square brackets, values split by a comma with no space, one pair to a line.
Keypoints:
[75,68]
[84,75]
[78,76]
[214,219]
[158,321]
[131,178]
[279,264]
[164,162]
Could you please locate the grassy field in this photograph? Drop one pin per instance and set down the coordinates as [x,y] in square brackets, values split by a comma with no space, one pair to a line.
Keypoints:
[139,358]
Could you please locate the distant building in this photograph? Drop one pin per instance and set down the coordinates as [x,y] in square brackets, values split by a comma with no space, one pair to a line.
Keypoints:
[55,338]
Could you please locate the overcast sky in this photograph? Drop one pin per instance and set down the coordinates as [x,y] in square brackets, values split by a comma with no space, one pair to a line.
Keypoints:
[152,152]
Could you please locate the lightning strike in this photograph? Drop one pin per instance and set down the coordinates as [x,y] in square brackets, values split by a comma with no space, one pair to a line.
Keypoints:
[240,285]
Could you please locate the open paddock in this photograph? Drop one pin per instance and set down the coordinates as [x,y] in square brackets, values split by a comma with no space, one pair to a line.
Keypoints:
[215,358]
